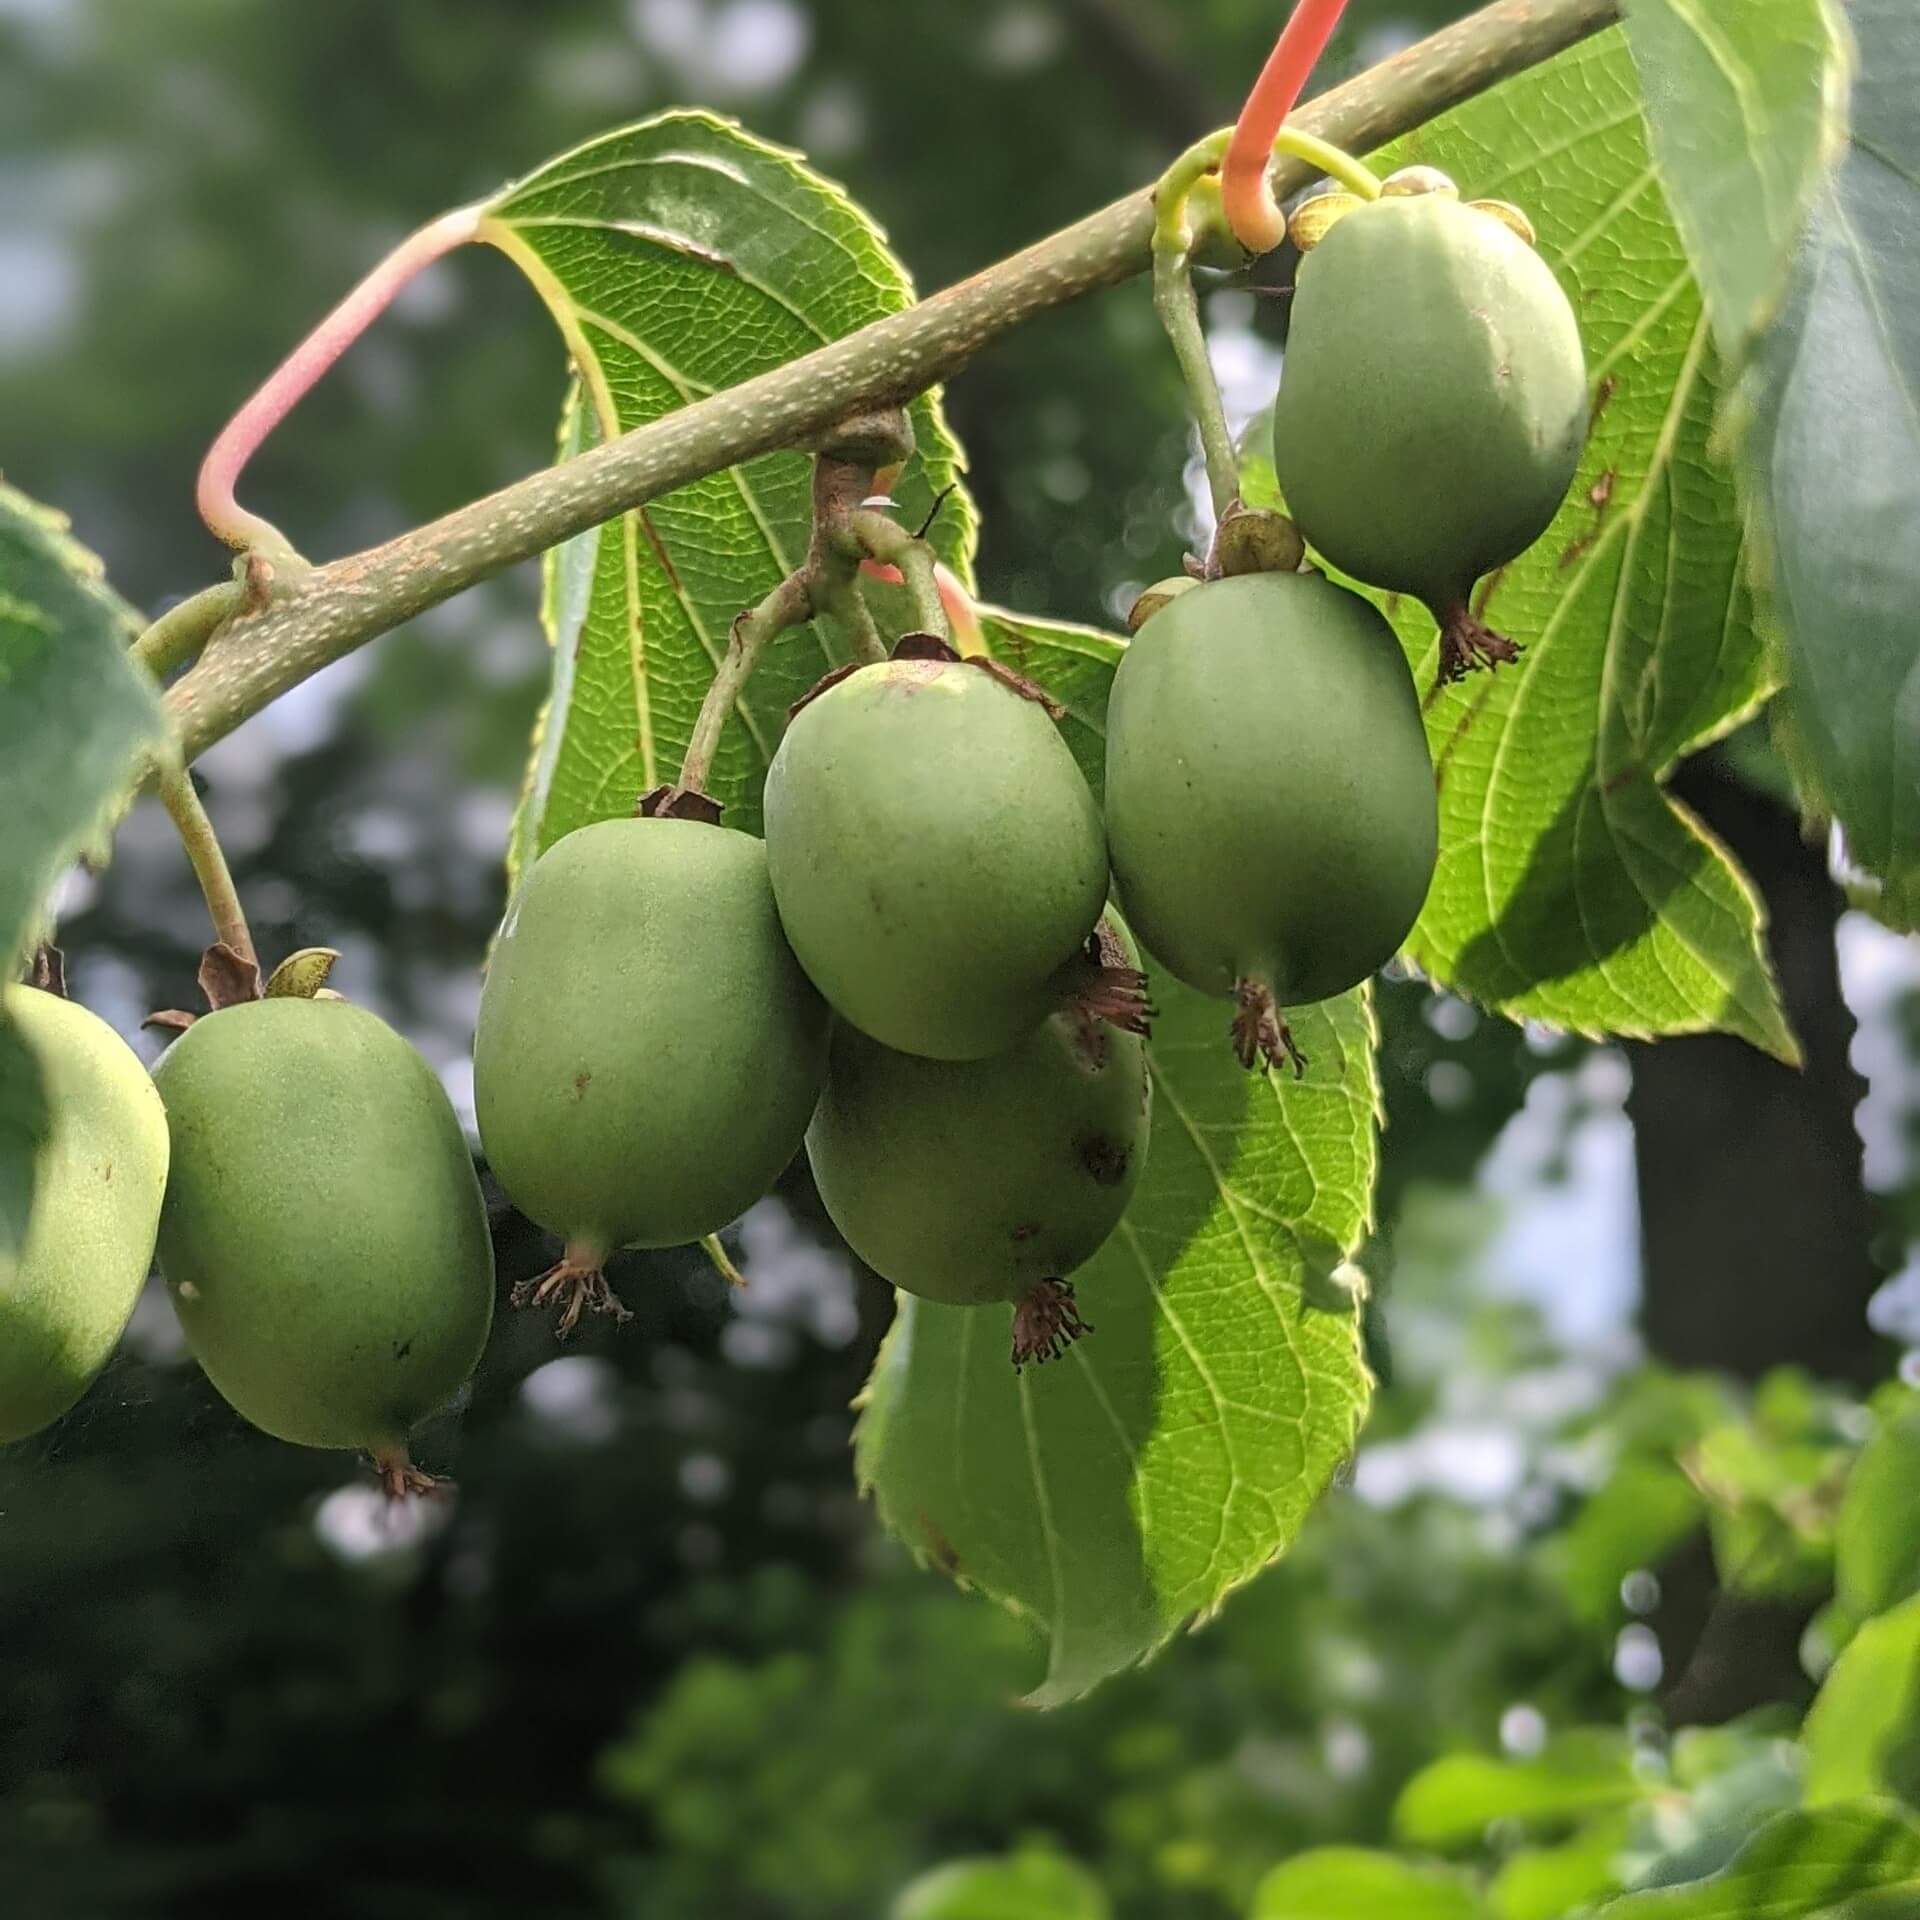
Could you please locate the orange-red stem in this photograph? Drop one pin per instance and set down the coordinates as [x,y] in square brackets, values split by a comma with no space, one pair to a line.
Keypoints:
[240,439]
[1245,197]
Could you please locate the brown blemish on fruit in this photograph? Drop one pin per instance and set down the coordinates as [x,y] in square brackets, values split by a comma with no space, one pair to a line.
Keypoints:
[581,1082]
[1104,1158]
[1025,1232]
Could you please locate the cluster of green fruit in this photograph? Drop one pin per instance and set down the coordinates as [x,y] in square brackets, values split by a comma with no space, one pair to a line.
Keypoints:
[315,1207]
[917,974]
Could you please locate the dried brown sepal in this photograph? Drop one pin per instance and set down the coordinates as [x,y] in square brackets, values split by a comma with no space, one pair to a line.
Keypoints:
[576,1286]
[48,970]
[227,978]
[400,1479]
[1020,684]
[923,646]
[1118,996]
[1511,217]
[1312,220]
[302,975]
[1468,643]
[1153,598]
[820,686]
[1261,1036]
[1046,1322]
[679,803]
[171,1020]
[1255,540]
[1418,180]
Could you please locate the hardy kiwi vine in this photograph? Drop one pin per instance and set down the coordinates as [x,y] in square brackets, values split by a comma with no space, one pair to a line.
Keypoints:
[285,619]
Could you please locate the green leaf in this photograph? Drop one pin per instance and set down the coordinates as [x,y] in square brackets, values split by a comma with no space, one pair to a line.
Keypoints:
[1635,1520]
[1570,886]
[680,256]
[1033,1885]
[1798,1866]
[1746,109]
[1877,1536]
[1126,1490]
[1545,1883]
[1351,1883]
[1454,1800]
[1833,455]
[1863,1730]
[76,719]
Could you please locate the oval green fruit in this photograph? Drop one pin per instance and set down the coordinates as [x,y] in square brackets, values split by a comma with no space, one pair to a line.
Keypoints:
[99,1170]
[323,1238]
[649,1051]
[970,1181]
[937,857]
[1270,799]
[1433,405]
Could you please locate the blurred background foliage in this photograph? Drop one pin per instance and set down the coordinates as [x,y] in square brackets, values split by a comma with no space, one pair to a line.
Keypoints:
[655,1661]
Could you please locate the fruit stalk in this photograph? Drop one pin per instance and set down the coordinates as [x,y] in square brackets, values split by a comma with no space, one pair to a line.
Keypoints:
[330,610]
[892,545]
[788,605]
[1177,305]
[825,582]
[179,634]
[209,863]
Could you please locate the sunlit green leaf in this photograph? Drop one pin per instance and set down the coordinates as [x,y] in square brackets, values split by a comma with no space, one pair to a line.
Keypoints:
[1834,457]
[1863,1732]
[1746,107]
[1799,1866]
[1028,1886]
[1545,1883]
[1350,1883]
[1632,1522]
[76,718]
[1453,1801]
[1571,887]
[1116,1495]
[678,257]
[1877,1536]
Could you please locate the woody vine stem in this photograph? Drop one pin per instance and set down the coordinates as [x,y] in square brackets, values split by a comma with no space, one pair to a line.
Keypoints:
[301,618]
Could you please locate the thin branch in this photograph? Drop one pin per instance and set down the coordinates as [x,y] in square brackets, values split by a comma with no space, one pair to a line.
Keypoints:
[790,604]
[209,863]
[1179,310]
[892,545]
[179,634]
[843,601]
[331,610]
